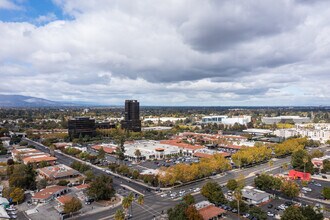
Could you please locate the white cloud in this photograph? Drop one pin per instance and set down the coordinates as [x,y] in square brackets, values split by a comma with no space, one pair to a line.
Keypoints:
[176,52]
[8,5]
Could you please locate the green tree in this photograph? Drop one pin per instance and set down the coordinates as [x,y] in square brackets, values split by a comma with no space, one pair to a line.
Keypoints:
[140,200]
[101,188]
[232,184]
[73,205]
[42,183]
[178,212]
[138,154]
[258,213]
[63,182]
[326,192]
[293,213]
[213,192]
[89,175]
[23,176]
[120,215]
[301,161]
[189,199]
[310,213]
[101,154]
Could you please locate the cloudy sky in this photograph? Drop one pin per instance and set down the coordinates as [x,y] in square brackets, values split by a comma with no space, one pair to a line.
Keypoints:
[173,52]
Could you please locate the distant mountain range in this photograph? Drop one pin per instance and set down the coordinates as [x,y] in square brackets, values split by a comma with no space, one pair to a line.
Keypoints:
[28,101]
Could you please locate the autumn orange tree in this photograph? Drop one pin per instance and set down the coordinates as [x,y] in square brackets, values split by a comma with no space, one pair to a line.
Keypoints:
[181,173]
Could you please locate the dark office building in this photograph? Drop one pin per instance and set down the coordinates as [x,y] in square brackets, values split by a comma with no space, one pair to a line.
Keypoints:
[105,125]
[132,120]
[81,126]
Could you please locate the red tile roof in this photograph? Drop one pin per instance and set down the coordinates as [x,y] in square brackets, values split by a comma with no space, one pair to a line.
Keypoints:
[178,143]
[64,199]
[210,211]
[82,186]
[108,150]
[48,192]
[39,158]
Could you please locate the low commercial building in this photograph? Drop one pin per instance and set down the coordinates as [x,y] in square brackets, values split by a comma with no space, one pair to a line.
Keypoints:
[209,211]
[254,196]
[224,119]
[59,171]
[49,193]
[294,175]
[285,119]
[63,199]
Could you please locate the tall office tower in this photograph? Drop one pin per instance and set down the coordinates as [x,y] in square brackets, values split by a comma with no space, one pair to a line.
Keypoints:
[81,126]
[132,120]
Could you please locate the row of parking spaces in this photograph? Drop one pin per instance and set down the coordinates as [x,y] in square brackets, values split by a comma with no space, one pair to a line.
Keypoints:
[180,193]
[276,207]
[314,188]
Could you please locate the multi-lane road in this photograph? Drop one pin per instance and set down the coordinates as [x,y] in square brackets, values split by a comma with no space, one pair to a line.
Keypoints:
[154,205]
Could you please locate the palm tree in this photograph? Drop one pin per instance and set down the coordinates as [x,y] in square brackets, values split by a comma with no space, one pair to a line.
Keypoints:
[126,203]
[141,200]
[137,153]
[238,197]
[120,215]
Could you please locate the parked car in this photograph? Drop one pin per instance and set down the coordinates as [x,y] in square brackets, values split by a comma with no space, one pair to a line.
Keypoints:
[270,206]
[270,214]
[324,177]
[307,189]
[317,184]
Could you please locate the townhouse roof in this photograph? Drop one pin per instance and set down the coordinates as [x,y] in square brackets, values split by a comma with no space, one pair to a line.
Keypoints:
[210,212]
[58,171]
[39,158]
[82,186]
[48,192]
[64,199]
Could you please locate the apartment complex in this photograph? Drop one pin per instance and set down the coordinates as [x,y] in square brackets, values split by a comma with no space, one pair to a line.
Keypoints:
[132,120]
[318,132]
[30,155]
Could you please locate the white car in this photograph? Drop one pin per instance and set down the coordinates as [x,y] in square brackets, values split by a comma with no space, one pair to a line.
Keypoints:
[307,189]
[163,195]
[270,214]
[197,190]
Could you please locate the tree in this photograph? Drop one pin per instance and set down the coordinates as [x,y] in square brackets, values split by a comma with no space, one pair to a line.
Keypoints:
[310,213]
[23,176]
[10,162]
[258,213]
[301,161]
[89,175]
[15,193]
[101,154]
[290,189]
[293,213]
[120,215]
[266,182]
[101,188]
[232,184]
[63,182]
[138,154]
[213,192]
[178,212]
[193,214]
[73,205]
[140,200]
[189,199]
[41,184]
[326,192]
